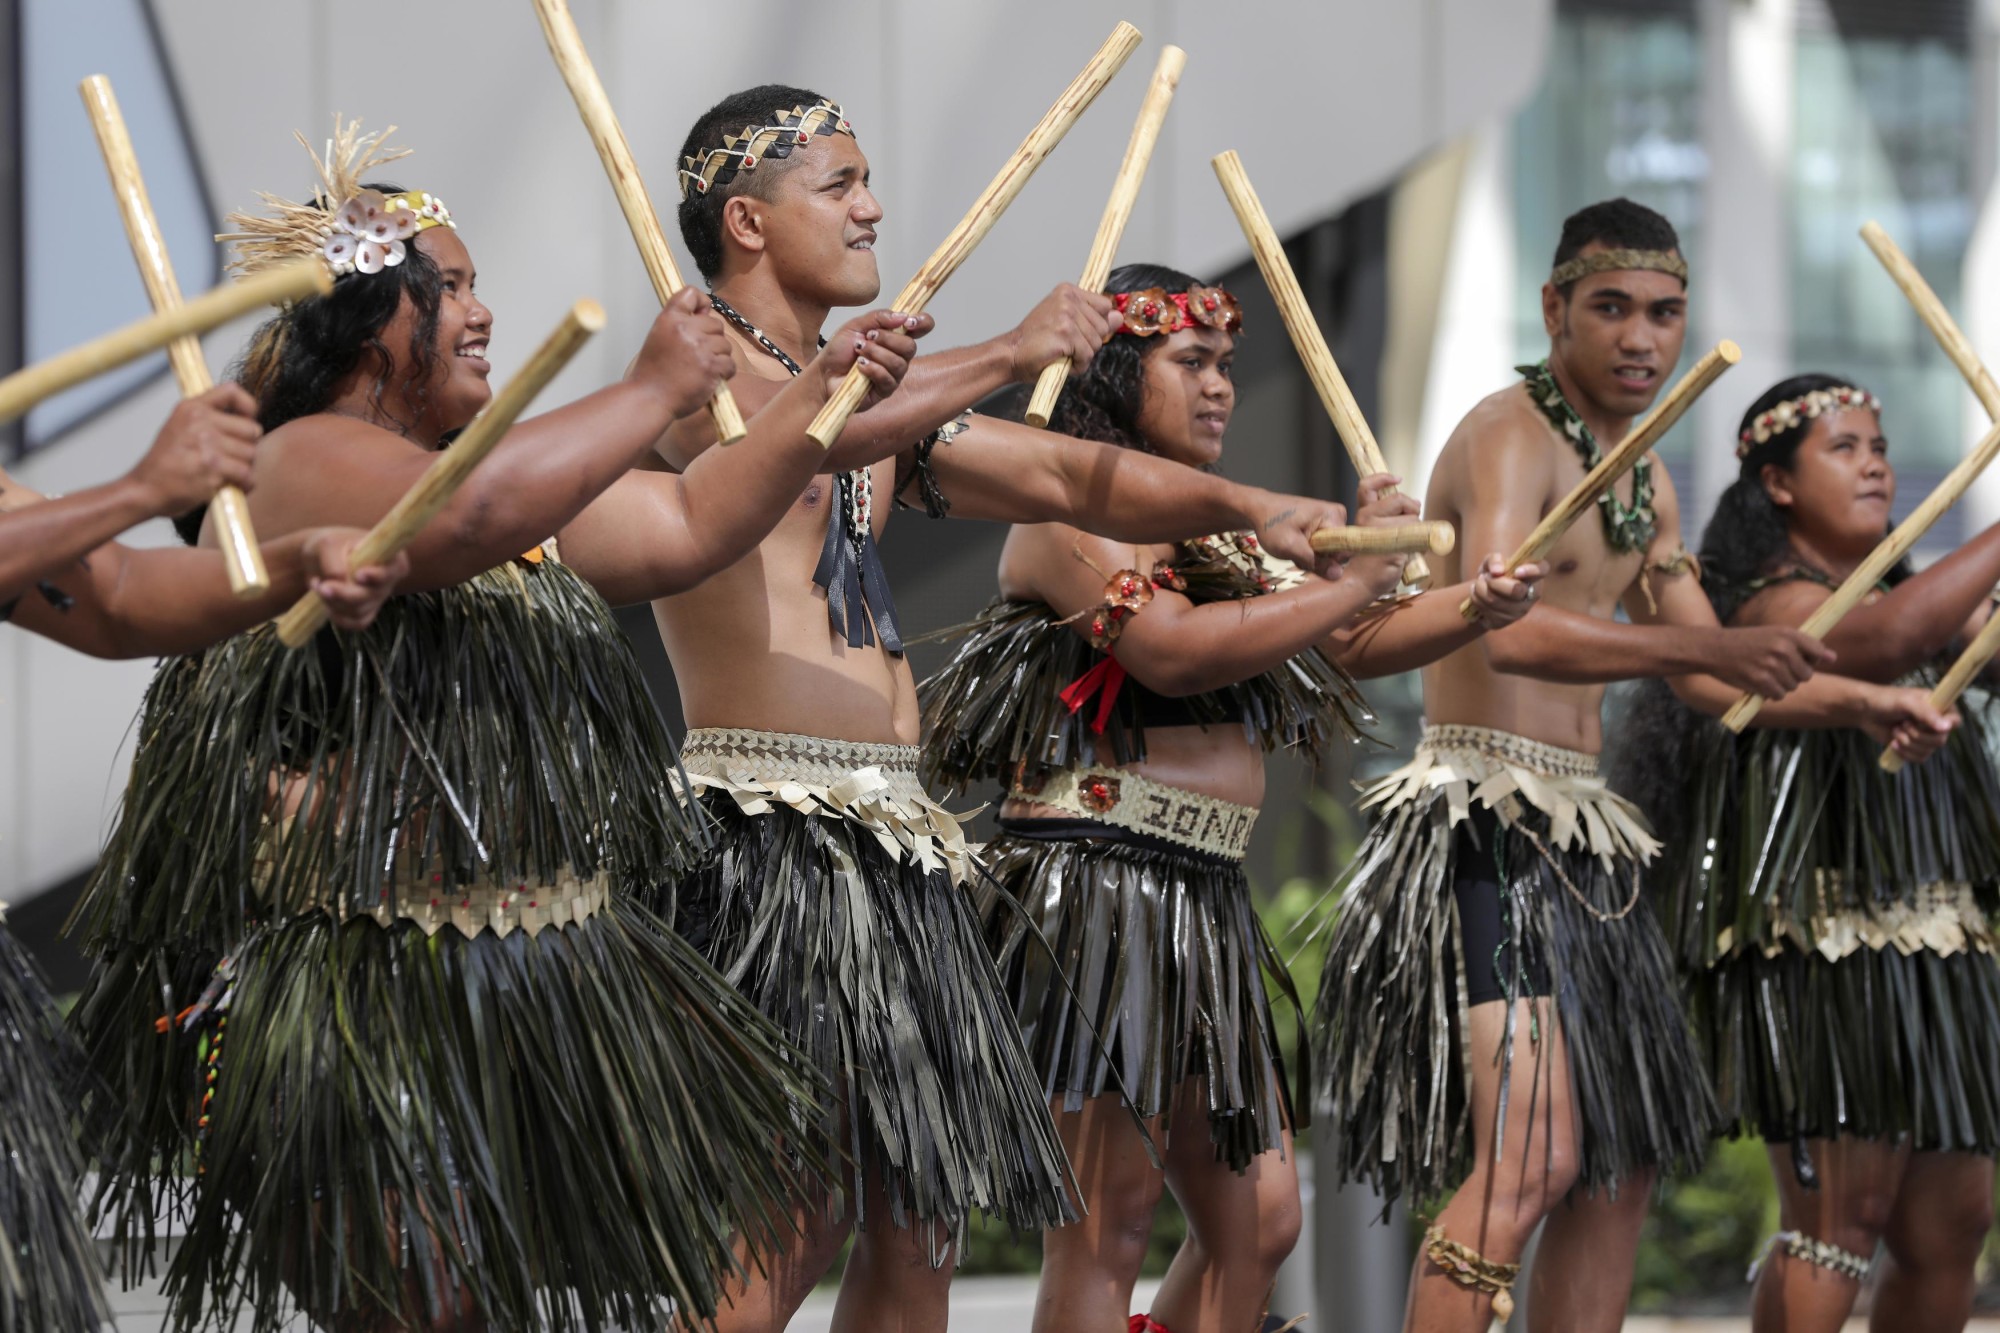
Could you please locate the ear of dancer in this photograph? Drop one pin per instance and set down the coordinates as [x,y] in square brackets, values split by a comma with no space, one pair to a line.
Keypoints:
[110,600]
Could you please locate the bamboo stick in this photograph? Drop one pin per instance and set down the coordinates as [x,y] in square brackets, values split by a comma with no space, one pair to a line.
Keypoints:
[573,61]
[229,508]
[24,388]
[1931,310]
[1388,539]
[1959,348]
[1969,664]
[985,211]
[1117,212]
[1883,558]
[1269,251]
[1622,458]
[434,489]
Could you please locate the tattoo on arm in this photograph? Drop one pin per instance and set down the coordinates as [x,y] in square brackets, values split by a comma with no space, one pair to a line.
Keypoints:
[1279,517]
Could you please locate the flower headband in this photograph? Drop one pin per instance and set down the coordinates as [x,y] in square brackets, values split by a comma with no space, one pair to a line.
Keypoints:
[742,152]
[1607,261]
[1156,310]
[1784,416]
[366,233]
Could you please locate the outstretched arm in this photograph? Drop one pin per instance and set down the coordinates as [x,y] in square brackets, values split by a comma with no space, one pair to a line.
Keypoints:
[159,601]
[1009,473]
[653,534]
[206,443]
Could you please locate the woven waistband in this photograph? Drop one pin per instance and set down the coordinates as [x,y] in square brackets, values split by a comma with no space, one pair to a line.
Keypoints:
[1131,800]
[1508,748]
[469,908]
[1943,918]
[782,756]
[866,783]
[1456,767]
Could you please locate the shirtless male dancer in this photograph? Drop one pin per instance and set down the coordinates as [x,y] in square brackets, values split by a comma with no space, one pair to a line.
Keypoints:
[837,902]
[1465,912]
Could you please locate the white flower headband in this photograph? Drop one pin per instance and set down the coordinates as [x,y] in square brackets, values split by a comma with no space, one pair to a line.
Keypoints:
[1806,407]
[368,231]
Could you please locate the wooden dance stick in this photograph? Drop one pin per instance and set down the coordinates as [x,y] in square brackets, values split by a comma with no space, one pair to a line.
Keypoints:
[31,384]
[1362,450]
[1883,558]
[985,211]
[434,489]
[1117,212]
[229,508]
[1622,458]
[1935,317]
[566,45]
[1959,348]
[1969,664]
[1389,539]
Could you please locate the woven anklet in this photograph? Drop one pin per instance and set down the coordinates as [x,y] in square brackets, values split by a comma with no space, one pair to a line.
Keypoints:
[1821,1253]
[1467,1267]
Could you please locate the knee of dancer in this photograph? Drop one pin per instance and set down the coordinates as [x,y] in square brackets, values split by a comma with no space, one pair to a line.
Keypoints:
[1944,1233]
[1263,1244]
[1860,1220]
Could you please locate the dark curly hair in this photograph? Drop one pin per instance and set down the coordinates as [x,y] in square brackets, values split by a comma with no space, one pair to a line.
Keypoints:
[1617,224]
[1746,539]
[1103,402]
[298,357]
[701,211]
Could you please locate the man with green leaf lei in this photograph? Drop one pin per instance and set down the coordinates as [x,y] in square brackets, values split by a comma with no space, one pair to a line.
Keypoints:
[1499,1012]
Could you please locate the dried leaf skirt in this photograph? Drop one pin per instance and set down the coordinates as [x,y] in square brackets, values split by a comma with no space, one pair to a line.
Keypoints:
[1389,1046]
[1835,927]
[49,1276]
[1133,965]
[837,904]
[415,1046]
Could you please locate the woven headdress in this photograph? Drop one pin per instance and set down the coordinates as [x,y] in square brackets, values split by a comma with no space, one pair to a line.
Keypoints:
[716,167]
[354,230]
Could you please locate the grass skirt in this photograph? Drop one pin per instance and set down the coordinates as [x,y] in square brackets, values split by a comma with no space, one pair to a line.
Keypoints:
[49,1276]
[821,908]
[1394,1067]
[1834,926]
[419,1031]
[1165,963]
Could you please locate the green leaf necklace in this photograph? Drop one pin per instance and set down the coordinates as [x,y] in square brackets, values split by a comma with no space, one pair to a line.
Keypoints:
[1626,527]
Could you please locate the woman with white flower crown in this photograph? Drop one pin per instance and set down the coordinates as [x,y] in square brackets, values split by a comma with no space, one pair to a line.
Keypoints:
[1834,923]
[369,958]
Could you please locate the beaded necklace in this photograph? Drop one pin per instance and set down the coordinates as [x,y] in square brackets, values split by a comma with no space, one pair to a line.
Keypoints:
[1626,527]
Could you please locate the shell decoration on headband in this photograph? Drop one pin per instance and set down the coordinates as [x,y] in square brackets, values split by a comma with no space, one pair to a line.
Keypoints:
[367,231]
[1806,407]
[1156,310]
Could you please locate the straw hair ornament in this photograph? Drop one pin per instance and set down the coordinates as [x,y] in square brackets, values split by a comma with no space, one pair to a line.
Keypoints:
[352,229]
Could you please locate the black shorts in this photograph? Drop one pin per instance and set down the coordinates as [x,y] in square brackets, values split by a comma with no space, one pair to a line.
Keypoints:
[1482,908]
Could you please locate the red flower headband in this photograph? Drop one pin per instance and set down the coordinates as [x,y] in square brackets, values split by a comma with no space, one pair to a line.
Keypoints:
[1155,310]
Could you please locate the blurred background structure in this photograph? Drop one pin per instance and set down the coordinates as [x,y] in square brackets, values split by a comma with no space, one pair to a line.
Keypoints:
[1419,156]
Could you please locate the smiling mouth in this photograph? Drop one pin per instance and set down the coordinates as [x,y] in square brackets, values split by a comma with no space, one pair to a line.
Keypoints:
[473,352]
[865,243]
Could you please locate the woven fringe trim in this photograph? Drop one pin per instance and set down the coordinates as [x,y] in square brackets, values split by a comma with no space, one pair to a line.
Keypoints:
[878,969]
[1132,800]
[1392,1065]
[1502,771]
[1880,1044]
[561,1131]
[49,1274]
[1165,962]
[874,787]
[1945,919]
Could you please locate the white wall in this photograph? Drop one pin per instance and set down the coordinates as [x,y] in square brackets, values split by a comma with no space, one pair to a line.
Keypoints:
[1326,102]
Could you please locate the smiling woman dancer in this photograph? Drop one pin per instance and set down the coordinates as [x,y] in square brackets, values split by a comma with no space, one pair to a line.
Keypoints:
[1128,696]
[1836,923]
[366,929]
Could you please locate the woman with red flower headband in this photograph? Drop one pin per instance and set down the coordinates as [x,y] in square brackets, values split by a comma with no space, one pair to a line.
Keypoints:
[1127,699]
[1836,924]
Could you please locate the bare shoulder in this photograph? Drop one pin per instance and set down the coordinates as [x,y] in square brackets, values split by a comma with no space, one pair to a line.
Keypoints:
[1502,437]
[1788,603]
